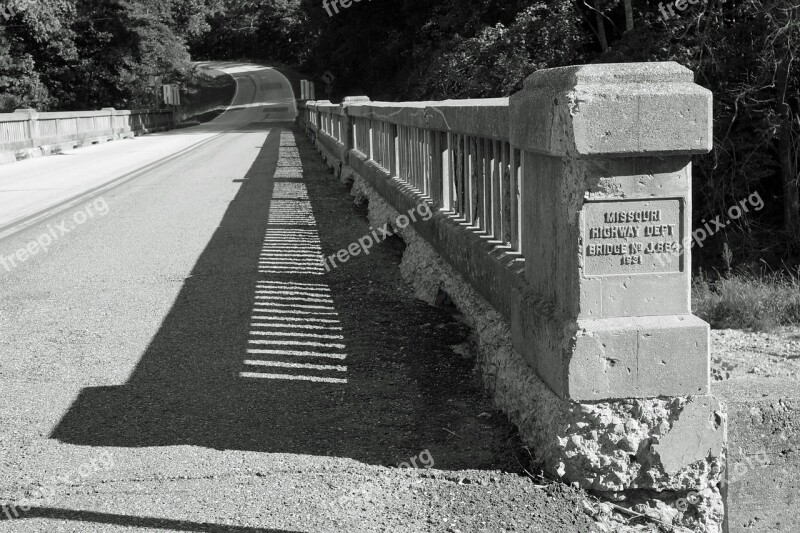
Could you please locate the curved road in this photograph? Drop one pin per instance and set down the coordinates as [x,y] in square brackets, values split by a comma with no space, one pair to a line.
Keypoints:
[173,356]
[263,96]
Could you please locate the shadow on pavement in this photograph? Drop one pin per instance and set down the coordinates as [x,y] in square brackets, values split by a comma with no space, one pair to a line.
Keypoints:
[263,350]
[138,521]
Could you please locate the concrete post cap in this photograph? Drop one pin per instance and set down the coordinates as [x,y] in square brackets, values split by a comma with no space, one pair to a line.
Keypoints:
[625,109]
[610,73]
[354,100]
[28,111]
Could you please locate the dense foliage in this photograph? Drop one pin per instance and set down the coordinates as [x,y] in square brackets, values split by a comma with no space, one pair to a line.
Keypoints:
[79,54]
[70,54]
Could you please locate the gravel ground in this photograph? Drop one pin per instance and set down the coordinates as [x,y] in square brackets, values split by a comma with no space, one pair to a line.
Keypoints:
[736,353]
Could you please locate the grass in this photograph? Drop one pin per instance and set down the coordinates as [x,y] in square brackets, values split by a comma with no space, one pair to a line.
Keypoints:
[742,299]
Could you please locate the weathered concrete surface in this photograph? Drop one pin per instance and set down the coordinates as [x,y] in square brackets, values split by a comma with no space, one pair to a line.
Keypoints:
[623,357]
[605,192]
[485,117]
[762,482]
[624,448]
[693,437]
[613,109]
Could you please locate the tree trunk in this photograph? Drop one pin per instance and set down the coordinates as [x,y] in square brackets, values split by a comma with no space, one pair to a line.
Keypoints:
[791,204]
[786,147]
[601,30]
[628,15]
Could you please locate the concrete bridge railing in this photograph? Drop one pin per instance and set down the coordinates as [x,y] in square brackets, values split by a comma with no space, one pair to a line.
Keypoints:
[567,206]
[562,231]
[27,133]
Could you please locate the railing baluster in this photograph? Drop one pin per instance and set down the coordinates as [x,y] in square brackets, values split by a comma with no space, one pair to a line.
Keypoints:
[480,221]
[420,161]
[501,236]
[487,186]
[403,153]
[507,193]
[496,217]
[371,137]
[469,176]
[445,155]
[415,157]
[458,170]
[515,199]
[395,170]
[428,164]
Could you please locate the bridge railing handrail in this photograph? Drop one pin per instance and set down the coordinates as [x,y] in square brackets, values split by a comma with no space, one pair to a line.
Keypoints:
[26,130]
[454,153]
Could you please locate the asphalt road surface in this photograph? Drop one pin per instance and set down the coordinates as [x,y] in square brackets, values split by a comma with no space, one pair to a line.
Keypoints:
[173,356]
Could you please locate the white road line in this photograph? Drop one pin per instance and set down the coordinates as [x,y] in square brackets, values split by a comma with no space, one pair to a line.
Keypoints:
[296,365]
[297,353]
[270,312]
[293,319]
[254,375]
[293,306]
[271,342]
[300,335]
[295,326]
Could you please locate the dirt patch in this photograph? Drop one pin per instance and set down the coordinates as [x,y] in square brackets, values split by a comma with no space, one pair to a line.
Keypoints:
[736,353]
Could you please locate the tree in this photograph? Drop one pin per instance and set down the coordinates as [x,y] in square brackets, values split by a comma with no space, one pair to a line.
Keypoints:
[85,54]
[628,14]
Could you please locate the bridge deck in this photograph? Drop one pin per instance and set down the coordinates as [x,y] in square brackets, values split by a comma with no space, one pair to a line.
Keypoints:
[186,362]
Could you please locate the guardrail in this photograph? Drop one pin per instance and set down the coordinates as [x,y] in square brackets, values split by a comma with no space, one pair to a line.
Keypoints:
[27,133]
[567,206]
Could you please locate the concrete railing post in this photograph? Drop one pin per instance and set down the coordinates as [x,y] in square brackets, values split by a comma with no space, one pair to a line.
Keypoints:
[606,223]
[348,137]
[32,125]
[116,132]
[349,142]
[318,116]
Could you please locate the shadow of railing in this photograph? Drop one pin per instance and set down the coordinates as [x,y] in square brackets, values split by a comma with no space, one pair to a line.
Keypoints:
[52,513]
[255,354]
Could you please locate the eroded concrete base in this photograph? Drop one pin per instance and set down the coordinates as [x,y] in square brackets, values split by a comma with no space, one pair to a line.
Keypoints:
[645,454]
[344,173]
